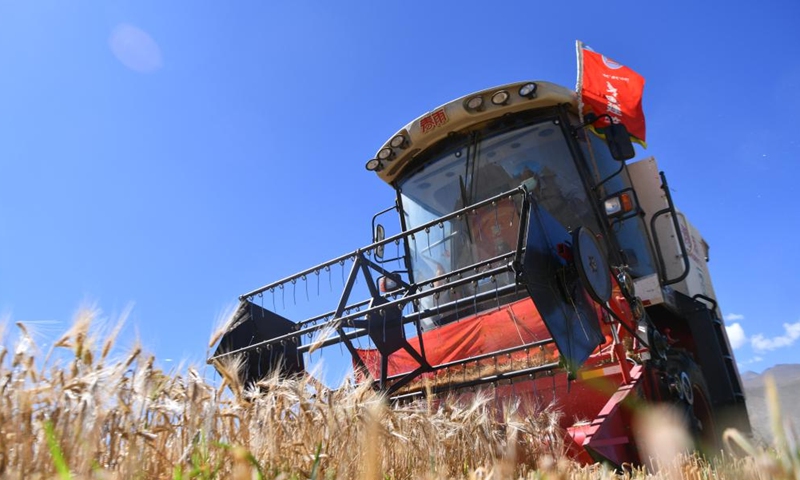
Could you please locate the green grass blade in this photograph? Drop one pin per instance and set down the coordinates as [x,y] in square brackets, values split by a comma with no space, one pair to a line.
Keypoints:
[55,452]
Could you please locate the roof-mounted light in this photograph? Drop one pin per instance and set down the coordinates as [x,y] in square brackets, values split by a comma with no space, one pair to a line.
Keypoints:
[386,153]
[374,165]
[474,104]
[500,98]
[398,141]
[528,90]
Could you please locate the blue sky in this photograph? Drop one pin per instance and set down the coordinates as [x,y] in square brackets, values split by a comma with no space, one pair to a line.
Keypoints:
[173,155]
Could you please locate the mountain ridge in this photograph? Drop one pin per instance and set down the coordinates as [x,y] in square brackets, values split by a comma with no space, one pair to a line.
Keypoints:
[787,381]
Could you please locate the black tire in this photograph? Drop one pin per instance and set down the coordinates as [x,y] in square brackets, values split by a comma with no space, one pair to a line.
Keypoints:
[696,403]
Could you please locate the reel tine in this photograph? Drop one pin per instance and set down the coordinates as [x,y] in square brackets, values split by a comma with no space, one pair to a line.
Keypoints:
[397,244]
[330,281]
[475,296]
[383,317]
[428,235]
[496,295]
[480,233]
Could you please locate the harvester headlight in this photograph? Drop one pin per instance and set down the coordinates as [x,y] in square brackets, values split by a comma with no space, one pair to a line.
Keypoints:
[386,153]
[613,206]
[374,165]
[619,205]
[528,90]
[398,141]
[500,98]
[475,103]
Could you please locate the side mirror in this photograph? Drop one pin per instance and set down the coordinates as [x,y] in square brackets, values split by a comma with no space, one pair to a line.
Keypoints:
[617,137]
[619,142]
[379,235]
[386,284]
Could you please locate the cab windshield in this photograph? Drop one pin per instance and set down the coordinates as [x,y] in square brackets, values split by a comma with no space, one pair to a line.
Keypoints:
[480,166]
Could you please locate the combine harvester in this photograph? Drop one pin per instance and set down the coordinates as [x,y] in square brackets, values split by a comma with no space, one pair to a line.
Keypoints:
[534,261]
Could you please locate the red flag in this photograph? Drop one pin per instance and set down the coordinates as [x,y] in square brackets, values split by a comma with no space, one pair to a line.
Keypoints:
[607,87]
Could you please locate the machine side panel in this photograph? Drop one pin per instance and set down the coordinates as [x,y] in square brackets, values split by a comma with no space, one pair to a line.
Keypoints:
[698,282]
[645,178]
[651,197]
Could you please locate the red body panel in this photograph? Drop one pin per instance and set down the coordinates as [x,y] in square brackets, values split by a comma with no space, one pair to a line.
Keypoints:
[509,326]
[593,406]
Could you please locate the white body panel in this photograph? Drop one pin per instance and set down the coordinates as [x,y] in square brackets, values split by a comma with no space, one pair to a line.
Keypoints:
[698,282]
[649,290]
[647,183]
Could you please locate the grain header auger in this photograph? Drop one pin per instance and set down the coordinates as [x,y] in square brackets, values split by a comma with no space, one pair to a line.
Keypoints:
[531,259]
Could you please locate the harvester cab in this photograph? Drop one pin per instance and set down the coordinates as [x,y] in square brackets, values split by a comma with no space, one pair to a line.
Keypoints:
[530,259]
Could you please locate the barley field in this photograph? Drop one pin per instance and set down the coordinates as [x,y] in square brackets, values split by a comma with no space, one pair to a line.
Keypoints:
[83,409]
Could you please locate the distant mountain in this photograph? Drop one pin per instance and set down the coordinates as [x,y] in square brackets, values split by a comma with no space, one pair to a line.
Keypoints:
[787,379]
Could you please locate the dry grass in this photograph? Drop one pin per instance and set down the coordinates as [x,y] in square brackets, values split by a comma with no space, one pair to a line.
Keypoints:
[76,413]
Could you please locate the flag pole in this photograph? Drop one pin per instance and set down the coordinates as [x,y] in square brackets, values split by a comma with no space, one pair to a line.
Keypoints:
[579,82]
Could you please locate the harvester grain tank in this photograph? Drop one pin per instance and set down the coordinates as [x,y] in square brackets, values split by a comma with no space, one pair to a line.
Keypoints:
[532,259]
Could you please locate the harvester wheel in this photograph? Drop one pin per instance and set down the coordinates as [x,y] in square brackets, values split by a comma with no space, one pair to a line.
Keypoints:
[695,401]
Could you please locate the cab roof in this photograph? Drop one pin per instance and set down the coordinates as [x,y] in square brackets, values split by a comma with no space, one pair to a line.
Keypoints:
[398,153]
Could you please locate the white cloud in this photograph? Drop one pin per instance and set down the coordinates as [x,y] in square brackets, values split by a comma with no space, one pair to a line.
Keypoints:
[791,333]
[733,317]
[750,361]
[736,335]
